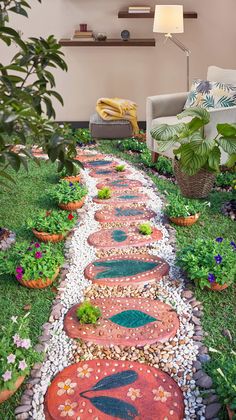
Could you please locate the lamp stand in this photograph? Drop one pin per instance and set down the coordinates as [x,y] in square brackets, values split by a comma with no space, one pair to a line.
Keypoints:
[183,48]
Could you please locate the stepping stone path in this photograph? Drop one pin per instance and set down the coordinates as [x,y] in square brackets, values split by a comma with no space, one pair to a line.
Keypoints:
[125,321]
[88,157]
[108,173]
[122,238]
[120,184]
[122,198]
[127,270]
[124,214]
[101,163]
[111,390]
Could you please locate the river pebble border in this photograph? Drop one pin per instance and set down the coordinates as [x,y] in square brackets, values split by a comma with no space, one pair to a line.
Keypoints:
[181,357]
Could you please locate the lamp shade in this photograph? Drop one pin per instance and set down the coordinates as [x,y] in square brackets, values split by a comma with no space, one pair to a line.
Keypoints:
[169,19]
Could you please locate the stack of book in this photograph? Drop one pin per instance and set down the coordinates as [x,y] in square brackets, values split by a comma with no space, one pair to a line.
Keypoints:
[83,36]
[139,9]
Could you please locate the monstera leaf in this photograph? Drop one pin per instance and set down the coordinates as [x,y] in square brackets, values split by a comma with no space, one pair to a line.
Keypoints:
[123,268]
[132,319]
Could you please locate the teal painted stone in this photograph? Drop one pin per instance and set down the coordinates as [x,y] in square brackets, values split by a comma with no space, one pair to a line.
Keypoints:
[127,197]
[127,212]
[132,319]
[104,172]
[119,235]
[123,268]
[101,163]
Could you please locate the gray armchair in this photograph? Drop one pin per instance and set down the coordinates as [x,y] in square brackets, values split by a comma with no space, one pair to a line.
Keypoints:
[163,109]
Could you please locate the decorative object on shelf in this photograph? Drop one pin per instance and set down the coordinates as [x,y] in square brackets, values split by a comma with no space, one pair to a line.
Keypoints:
[169,19]
[101,36]
[83,27]
[83,35]
[139,9]
[125,35]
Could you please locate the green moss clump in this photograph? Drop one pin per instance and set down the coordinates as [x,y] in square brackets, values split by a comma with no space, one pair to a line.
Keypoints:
[104,193]
[87,313]
[145,229]
[120,168]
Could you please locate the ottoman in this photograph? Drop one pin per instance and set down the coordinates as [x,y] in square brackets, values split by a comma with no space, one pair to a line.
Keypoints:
[115,129]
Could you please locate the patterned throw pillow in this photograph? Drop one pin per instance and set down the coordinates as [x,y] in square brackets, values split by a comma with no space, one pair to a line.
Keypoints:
[211,95]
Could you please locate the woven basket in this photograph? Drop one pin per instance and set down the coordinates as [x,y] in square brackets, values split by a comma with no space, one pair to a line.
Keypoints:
[73,205]
[48,237]
[195,186]
[185,221]
[76,178]
[39,283]
[5,395]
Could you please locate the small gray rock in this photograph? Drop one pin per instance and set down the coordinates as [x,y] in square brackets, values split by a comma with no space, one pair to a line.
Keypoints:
[198,374]
[204,358]
[22,416]
[197,365]
[205,381]
[188,294]
[212,398]
[22,409]
[203,350]
[196,321]
[212,410]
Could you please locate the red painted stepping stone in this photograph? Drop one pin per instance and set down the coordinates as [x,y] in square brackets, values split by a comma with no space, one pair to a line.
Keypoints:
[108,173]
[122,237]
[101,164]
[123,214]
[127,270]
[122,198]
[113,389]
[125,322]
[87,157]
[120,184]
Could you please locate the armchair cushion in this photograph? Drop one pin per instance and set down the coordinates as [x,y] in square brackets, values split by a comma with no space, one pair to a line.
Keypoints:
[210,94]
[221,75]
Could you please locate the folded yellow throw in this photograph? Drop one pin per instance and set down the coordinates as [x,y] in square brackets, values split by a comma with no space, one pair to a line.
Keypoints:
[118,109]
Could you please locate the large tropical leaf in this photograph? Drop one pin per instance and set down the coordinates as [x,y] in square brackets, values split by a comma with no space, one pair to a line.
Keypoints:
[228,144]
[200,145]
[190,161]
[214,159]
[227,130]
[226,102]
[167,133]
[196,112]
[231,161]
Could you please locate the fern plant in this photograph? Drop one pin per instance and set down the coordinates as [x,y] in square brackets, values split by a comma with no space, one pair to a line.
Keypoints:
[195,151]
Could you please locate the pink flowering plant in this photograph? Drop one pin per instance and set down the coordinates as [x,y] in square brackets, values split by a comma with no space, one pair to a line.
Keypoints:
[16,353]
[209,261]
[54,221]
[31,261]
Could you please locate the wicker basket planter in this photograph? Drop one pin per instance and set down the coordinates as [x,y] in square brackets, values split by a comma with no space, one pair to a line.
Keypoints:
[73,205]
[218,287]
[39,283]
[185,221]
[7,393]
[194,186]
[76,178]
[48,237]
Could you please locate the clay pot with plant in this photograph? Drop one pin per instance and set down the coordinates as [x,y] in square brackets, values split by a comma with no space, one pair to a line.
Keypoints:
[197,158]
[52,226]
[70,196]
[182,211]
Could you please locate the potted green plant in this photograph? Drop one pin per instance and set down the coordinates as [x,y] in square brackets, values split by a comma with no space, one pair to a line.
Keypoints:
[70,196]
[182,211]
[120,168]
[104,193]
[197,158]
[35,266]
[16,354]
[211,263]
[52,225]
[88,313]
[225,381]
[74,177]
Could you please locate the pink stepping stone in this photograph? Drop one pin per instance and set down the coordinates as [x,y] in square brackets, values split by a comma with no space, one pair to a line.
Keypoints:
[123,214]
[122,237]
[108,173]
[127,270]
[113,389]
[125,322]
[88,157]
[122,198]
[120,184]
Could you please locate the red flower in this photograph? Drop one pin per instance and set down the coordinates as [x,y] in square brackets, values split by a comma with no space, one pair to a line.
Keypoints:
[70,217]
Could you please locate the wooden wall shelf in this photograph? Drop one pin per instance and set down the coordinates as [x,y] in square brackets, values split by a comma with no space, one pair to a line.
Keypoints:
[109,43]
[124,14]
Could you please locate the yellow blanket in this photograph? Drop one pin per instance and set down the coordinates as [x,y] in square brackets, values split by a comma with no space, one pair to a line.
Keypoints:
[118,109]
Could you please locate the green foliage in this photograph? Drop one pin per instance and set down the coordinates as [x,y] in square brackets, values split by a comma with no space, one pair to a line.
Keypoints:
[104,193]
[164,166]
[179,206]
[225,380]
[145,229]
[146,159]
[132,144]
[53,221]
[87,313]
[82,136]
[195,151]
[16,352]
[31,261]
[64,173]
[120,168]
[66,192]
[225,179]
[209,261]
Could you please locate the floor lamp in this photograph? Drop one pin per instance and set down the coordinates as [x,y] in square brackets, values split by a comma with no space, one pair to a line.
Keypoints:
[169,19]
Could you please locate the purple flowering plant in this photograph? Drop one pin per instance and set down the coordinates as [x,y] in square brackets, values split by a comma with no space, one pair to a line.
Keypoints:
[209,261]
[67,192]
[16,352]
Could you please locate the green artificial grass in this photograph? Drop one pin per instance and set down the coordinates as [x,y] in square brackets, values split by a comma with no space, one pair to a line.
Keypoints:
[20,202]
[219,307]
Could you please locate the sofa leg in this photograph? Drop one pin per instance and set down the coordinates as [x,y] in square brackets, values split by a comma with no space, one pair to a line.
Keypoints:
[154,157]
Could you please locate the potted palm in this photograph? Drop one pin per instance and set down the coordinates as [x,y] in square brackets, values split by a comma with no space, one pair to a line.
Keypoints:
[53,225]
[182,211]
[70,196]
[197,158]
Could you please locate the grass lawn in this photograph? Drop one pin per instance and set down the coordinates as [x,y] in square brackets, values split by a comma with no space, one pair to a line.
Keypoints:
[18,204]
[219,307]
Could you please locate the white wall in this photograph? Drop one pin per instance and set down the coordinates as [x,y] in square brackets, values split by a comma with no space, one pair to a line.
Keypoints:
[133,72]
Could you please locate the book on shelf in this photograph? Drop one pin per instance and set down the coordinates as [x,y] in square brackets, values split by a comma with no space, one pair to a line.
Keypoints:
[74,38]
[139,7]
[80,33]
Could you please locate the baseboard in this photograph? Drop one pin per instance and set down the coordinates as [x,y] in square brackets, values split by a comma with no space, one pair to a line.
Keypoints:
[85,124]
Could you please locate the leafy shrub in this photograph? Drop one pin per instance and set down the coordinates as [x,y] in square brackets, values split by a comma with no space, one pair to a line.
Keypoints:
[120,168]
[66,192]
[31,262]
[225,179]
[65,172]
[132,144]
[53,221]
[146,159]
[82,136]
[87,313]
[179,206]
[145,229]
[164,166]
[104,193]
[209,261]
[225,380]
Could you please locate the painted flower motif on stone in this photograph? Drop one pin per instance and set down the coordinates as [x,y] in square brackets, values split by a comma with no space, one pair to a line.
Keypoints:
[134,393]
[66,387]
[84,371]
[67,409]
[161,394]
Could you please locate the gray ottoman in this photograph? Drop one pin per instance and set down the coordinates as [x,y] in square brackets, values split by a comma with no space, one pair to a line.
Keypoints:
[102,129]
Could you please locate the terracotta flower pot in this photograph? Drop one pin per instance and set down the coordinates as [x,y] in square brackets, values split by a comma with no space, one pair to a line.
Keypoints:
[230,412]
[39,283]
[185,221]
[76,178]
[218,287]
[5,395]
[73,205]
[48,237]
